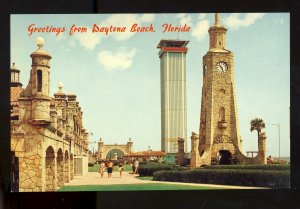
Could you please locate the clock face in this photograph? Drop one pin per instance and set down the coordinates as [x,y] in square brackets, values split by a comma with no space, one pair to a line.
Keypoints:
[222,67]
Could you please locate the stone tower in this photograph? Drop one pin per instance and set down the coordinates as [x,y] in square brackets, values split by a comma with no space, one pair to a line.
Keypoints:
[219,131]
[173,93]
[38,88]
[15,76]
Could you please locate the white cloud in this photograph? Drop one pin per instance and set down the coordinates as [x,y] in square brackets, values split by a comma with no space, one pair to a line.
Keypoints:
[200,30]
[88,39]
[126,20]
[147,18]
[234,21]
[120,60]
[184,19]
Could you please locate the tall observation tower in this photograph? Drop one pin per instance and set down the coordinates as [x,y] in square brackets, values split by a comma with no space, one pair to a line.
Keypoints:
[172,56]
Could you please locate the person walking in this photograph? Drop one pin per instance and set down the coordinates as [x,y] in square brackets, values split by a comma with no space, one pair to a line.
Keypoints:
[102,168]
[136,166]
[109,168]
[121,168]
[132,164]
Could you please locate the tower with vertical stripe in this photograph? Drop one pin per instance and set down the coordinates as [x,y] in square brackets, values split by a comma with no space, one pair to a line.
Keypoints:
[172,56]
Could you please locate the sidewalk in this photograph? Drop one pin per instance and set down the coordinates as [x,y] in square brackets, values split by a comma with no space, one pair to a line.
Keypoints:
[94,178]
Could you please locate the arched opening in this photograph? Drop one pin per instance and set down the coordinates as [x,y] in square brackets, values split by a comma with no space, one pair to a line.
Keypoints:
[222,91]
[224,157]
[60,168]
[111,154]
[201,153]
[67,173]
[71,167]
[39,80]
[50,170]
[222,114]
[14,173]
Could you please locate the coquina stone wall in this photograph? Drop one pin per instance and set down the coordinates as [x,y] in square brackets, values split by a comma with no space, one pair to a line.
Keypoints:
[46,132]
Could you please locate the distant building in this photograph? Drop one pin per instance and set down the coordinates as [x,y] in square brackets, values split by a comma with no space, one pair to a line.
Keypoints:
[48,142]
[145,156]
[113,151]
[173,93]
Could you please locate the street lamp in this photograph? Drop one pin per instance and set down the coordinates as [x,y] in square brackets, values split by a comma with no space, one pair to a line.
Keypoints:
[278,126]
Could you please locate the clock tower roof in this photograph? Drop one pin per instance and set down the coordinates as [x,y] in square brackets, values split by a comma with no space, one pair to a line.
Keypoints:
[217,36]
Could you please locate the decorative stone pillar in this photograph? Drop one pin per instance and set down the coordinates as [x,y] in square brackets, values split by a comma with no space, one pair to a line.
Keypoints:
[55,172]
[195,158]
[262,148]
[100,149]
[180,153]
[67,167]
[53,115]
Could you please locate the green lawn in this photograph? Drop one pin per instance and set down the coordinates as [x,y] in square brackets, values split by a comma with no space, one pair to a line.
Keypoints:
[95,168]
[133,187]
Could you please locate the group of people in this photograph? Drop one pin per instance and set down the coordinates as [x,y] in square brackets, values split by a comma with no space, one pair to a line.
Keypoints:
[109,166]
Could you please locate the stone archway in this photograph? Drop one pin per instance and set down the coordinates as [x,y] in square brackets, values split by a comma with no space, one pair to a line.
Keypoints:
[225,157]
[66,167]
[60,168]
[111,154]
[50,170]
[71,167]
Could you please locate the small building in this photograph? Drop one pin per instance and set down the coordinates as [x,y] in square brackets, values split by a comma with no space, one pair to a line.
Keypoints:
[113,151]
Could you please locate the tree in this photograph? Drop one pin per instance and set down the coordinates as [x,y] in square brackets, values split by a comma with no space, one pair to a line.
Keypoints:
[257,124]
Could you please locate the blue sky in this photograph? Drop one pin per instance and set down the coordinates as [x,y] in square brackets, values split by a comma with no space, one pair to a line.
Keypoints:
[116,77]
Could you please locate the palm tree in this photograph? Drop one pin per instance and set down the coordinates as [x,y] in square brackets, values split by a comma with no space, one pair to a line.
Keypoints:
[257,124]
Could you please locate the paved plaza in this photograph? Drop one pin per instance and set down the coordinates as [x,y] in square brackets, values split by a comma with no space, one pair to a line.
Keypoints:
[94,178]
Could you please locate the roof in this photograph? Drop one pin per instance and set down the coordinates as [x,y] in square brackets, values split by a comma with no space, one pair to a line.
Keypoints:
[15,94]
[145,154]
[172,43]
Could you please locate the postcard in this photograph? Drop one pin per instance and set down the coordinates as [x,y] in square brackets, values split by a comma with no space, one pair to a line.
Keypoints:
[177,101]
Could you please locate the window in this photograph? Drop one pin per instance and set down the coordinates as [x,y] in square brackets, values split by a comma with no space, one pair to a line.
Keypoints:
[222,114]
[12,77]
[39,81]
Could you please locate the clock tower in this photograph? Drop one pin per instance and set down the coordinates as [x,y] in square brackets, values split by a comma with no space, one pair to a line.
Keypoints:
[219,132]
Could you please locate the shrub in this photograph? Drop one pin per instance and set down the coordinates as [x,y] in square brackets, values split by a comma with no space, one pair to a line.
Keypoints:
[91,164]
[277,167]
[148,169]
[258,178]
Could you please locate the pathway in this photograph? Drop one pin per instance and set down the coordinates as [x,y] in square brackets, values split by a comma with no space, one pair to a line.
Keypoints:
[94,178]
